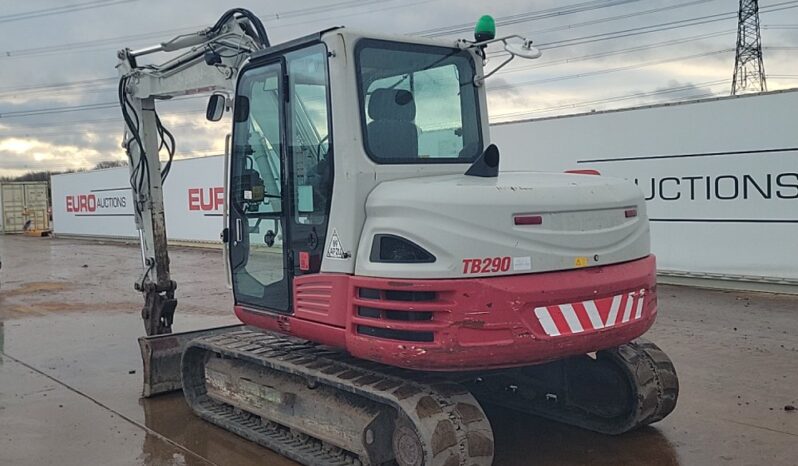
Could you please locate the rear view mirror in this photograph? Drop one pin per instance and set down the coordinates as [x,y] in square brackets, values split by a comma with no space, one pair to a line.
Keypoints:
[215,109]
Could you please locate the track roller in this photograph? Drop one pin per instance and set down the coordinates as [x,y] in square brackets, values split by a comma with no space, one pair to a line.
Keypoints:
[322,407]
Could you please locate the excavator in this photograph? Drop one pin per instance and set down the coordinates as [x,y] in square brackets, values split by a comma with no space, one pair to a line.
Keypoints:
[389,277]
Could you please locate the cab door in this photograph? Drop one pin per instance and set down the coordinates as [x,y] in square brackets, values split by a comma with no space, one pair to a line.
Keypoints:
[258,192]
[281,177]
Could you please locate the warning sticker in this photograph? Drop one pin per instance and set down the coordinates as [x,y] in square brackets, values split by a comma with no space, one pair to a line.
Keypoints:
[336,250]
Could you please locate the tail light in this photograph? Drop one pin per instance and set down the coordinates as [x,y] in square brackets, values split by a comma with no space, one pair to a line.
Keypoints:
[528,219]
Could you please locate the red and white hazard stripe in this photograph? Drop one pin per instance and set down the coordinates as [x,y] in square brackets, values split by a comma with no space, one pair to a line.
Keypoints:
[572,318]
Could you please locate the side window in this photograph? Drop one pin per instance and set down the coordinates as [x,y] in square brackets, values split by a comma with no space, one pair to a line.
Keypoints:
[309,136]
[260,168]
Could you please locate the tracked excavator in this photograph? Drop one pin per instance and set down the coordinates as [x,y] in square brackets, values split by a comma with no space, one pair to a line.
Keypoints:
[389,276]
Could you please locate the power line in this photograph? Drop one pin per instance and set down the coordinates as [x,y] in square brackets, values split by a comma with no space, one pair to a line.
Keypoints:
[574,105]
[319,9]
[96,106]
[613,99]
[568,42]
[610,53]
[667,26]
[527,16]
[30,130]
[273,17]
[608,19]
[609,70]
[549,45]
[75,108]
[89,43]
[78,85]
[59,10]
[594,4]
[56,86]
[97,121]
[52,110]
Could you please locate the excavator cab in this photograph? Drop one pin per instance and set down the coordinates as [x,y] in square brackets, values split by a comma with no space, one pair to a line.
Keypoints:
[402,109]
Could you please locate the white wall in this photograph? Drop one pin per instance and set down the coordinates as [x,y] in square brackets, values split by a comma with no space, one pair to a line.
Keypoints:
[99,203]
[748,234]
[194,199]
[96,203]
[670,151]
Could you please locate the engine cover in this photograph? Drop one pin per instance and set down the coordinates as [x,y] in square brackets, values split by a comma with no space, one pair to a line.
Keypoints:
[469,224]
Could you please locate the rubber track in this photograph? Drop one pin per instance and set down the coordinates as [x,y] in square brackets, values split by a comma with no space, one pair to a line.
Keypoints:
[652,374]
[443,413]
[655,391]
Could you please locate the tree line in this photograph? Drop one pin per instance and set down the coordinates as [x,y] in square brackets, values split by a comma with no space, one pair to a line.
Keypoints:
[44,175]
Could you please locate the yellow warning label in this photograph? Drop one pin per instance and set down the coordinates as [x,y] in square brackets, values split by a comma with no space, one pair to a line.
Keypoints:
[581,261]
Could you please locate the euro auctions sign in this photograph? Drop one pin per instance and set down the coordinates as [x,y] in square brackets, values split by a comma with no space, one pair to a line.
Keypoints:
[206,199]
[100,203]
[92,203]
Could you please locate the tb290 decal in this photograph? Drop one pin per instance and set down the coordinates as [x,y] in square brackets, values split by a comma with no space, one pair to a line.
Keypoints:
[487,265]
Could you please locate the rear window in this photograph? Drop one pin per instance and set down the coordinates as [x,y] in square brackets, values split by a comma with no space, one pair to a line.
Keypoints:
[418,103]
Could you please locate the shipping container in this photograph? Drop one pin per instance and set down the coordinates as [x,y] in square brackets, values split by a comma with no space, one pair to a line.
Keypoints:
[24,205]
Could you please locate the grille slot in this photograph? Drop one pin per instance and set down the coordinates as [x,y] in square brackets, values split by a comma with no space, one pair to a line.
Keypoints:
[368,293]
[391,334]
[363,311]
[415,296]
[408,315]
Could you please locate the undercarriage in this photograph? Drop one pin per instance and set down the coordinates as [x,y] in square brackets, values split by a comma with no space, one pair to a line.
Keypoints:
[320,406]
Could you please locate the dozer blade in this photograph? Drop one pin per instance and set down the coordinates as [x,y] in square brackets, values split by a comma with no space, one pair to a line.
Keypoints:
[160,355]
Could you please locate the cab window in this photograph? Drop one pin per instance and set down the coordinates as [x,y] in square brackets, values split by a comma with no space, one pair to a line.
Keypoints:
[418,103]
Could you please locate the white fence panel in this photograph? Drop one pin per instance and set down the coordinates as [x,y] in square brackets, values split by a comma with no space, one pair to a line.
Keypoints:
[720,176]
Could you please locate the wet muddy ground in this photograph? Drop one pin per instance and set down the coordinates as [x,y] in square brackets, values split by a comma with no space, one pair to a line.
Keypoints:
[70,373]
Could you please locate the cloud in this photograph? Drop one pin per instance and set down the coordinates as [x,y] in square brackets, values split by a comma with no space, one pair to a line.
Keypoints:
[34,154]
[82,138]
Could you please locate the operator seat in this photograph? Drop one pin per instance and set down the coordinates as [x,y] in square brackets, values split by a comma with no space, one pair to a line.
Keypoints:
[392,133]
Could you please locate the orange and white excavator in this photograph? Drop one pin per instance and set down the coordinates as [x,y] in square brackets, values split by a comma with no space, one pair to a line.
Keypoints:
[390,277]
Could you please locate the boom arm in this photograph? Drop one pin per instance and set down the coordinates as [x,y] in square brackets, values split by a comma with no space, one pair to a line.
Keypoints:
[210,64]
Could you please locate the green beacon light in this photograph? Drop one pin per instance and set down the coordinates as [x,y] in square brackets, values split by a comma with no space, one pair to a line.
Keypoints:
[485,29]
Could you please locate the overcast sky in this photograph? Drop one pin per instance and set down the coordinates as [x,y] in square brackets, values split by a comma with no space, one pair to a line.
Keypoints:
[44,48]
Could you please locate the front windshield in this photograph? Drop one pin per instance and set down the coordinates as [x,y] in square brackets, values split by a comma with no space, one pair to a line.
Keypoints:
[418,103]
